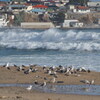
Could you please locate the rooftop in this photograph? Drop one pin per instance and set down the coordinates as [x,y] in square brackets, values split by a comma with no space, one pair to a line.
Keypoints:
[40,6]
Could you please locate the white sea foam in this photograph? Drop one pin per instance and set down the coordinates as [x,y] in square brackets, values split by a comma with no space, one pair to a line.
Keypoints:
[50,39]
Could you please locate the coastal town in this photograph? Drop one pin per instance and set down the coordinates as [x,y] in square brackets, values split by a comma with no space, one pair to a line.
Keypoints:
[44,14]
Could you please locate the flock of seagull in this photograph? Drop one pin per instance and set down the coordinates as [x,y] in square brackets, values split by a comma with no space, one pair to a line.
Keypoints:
[51,71]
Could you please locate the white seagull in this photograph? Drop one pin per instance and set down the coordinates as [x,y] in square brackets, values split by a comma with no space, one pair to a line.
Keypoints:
[53,80]
[7,65]
[29,87]
[92,82]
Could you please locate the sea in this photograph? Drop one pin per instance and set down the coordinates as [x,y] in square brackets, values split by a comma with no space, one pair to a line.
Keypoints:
[51,47]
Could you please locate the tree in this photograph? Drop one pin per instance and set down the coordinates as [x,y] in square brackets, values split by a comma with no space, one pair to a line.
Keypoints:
[19,18]
[58,18]
[61,17]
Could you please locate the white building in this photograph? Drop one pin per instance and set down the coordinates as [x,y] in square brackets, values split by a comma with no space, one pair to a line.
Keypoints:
[72,23]
[81,9]
[71,7]
[76,24]
[93,4]
[3,22]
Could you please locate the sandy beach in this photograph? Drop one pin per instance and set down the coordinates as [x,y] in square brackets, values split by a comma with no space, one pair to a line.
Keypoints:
[13,93]
[12,75]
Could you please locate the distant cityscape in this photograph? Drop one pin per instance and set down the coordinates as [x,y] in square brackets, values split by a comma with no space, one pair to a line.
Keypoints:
[45,14]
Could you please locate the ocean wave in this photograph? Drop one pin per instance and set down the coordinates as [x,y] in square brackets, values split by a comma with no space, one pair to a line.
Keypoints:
[54,39]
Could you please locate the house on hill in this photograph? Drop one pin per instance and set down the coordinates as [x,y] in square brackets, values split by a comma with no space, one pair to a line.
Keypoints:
[5,0]
[40,6]
[94,6]
[81,9]
[2,5]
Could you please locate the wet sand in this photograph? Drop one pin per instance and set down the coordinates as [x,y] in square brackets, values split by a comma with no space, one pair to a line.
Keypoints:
[15,93]
[14,76]
[19,93]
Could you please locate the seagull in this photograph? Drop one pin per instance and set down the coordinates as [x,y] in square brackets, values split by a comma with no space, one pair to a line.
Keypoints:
[7,66]
[15,65]
[49,72]
[36,82]
[85,81]
[53,80]
[44,84]
[92,82]
[29,87]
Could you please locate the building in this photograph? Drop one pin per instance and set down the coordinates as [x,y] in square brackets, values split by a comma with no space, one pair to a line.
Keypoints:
[16,6]
[37,11]
[76,24]
[71,6]
[72,23]
[3,22]
[94,6]
[81,9]
[2,5]
[40,6]
[37,25]
[5,0]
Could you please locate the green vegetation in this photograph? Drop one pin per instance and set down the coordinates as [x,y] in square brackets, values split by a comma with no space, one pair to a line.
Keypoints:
[19,18]
[61,17]
[58,18]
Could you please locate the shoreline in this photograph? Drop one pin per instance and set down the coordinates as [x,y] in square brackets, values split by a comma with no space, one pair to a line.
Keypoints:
[12,76]
[68,28]
[17,93]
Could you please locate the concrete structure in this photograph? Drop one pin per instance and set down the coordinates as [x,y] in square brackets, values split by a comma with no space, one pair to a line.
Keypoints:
[72,23]
[37,25]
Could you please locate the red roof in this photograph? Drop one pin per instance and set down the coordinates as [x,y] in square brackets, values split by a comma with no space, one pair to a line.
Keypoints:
[2,5]
[82,7]
[40,6]
[27,4]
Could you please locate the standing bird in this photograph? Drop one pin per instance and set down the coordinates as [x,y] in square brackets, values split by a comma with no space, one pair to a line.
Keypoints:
[29,87]
[44,84]
[92,82]
[85,81]
[53,80]
[7,66]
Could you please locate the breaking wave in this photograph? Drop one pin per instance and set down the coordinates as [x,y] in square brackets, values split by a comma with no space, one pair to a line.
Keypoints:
[54,39]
